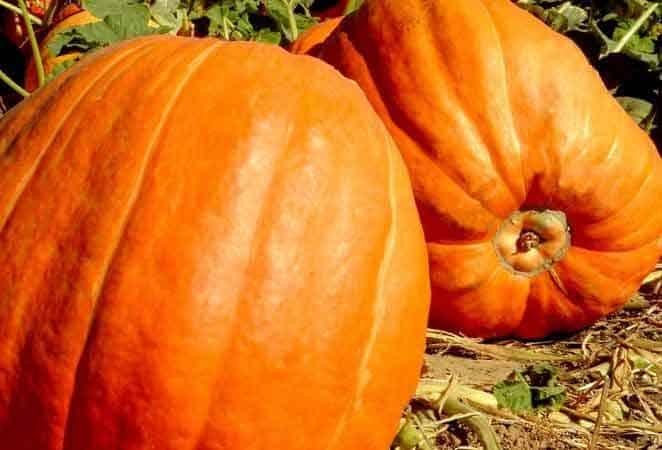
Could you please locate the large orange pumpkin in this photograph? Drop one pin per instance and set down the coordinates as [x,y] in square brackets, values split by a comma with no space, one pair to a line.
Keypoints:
[201,248]
[539,197]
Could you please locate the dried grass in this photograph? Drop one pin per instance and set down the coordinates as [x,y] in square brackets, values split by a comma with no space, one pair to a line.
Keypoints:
[612,373]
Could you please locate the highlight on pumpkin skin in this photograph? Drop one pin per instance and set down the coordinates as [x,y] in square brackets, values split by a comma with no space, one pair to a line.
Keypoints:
[488,132]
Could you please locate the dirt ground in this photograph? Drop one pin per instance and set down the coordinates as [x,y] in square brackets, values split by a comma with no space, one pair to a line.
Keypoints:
[612,373]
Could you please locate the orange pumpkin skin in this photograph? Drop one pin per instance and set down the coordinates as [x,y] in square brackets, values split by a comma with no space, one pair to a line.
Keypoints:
[194,255]
[495,113]
[315,35]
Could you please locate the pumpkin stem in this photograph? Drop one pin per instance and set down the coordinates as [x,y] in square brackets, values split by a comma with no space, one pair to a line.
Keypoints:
[531,242]
[528,240]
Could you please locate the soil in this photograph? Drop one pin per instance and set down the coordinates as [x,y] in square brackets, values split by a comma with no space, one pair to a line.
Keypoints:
[607,344]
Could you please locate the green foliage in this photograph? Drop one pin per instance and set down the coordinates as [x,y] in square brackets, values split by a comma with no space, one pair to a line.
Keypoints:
[271,21]
[168,13]
[535,388]
[120,20]
[409,436]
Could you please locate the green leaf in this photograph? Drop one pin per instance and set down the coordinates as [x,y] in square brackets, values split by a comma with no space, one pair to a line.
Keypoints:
[304,22]
[279,11]
[408,437]
[91,35]
[132,23]
[61,67]
[104,8]
[514,393]
[60,41]
[267,36]
[168,13]
[639,109]
[535,388]
[636,43]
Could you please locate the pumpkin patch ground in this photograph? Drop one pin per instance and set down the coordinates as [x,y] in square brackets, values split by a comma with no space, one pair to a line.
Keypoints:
[520,140]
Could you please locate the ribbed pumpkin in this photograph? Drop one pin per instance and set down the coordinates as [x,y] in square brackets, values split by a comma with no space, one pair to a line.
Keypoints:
[205,245]
[539,197]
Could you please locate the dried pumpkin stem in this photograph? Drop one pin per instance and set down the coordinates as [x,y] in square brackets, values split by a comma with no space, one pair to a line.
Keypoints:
[36,54]
[530,242]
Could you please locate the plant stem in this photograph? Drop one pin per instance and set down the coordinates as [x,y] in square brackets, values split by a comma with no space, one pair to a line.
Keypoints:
[17,10]
[294,29]
[635,27]
[36,54]
[226,32]
[50,12]
[12,84]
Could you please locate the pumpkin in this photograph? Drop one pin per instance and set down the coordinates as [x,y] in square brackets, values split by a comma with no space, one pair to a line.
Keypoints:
[71,17]
[314,35]
[538,195]
[198,249]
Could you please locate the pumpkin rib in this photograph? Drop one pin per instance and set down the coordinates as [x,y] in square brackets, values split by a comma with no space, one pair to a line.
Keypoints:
[601,277]
[21,349]
[393,118]
[19,114]
[43,103]
[443,259]
[21,344]
[616,244]
[409,128]
[403,128]
[507,83]
[248,286]
[402,137]
[32,170]
[133,201]
[379,310]
[471,121]
[550,301]
[465,311]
